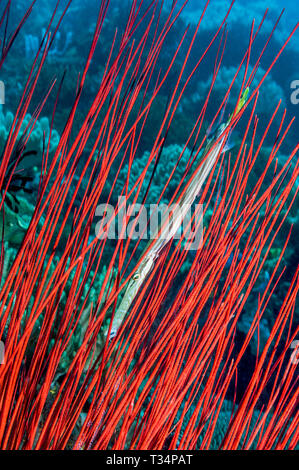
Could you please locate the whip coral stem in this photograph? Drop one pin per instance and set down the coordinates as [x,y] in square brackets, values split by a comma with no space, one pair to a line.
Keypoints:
[158,360]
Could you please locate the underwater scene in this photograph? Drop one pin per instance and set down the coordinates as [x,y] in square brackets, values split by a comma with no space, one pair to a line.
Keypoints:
[149,265]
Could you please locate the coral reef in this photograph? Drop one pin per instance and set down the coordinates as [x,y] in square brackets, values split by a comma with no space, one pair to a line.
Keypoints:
[60,48]
[237,19]
[39,137]
[272,91]
[182,349]
[16,220]
[171,156]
